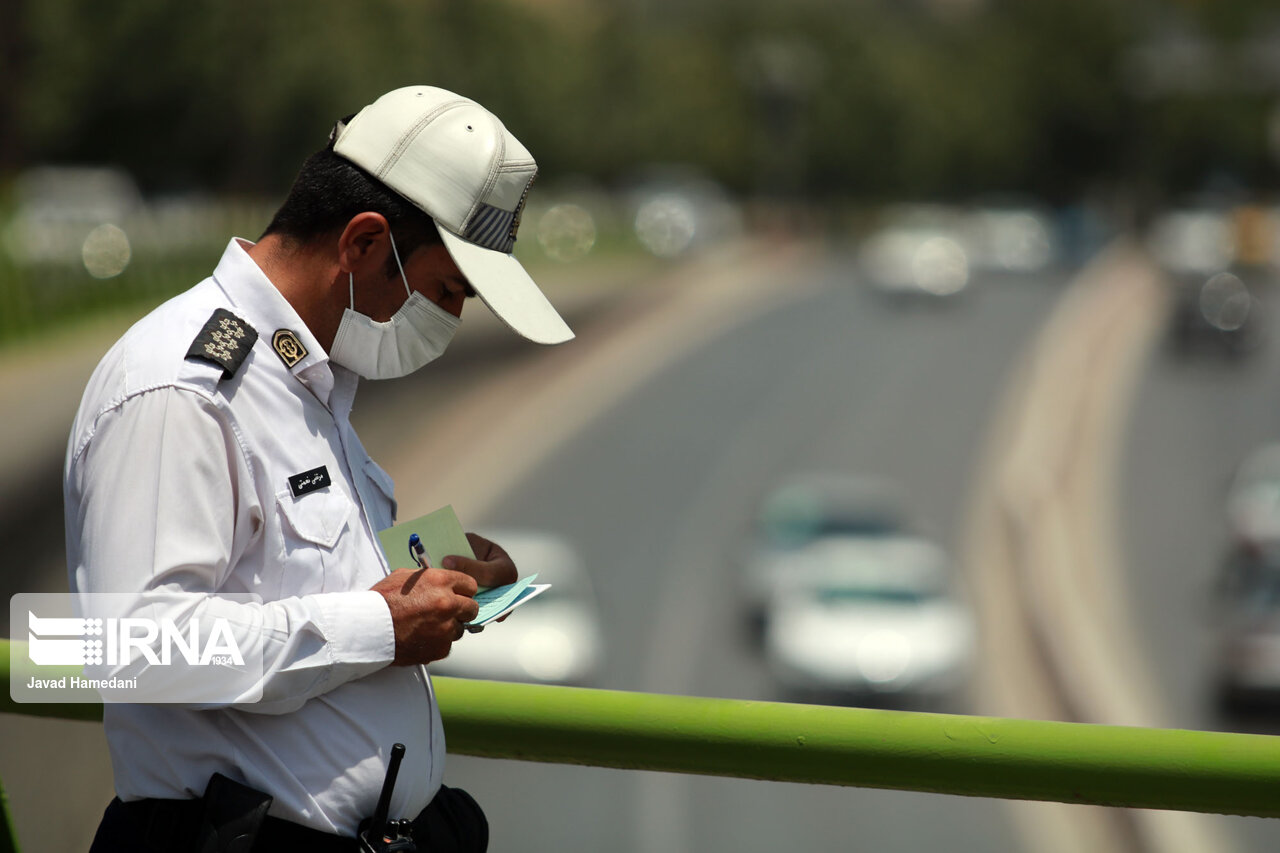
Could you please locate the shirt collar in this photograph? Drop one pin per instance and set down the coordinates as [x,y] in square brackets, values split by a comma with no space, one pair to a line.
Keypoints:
[270,313]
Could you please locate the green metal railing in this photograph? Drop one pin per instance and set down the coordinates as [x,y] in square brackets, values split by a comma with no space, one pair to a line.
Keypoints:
[1195,771]
[942,753]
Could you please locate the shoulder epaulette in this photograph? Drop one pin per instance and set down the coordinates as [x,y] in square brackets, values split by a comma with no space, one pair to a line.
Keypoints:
[225,341]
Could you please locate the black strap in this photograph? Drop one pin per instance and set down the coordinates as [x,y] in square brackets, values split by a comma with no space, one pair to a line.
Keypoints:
[173,826]
[453,821]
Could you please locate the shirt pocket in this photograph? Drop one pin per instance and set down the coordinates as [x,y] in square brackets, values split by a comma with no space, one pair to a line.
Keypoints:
[310,535]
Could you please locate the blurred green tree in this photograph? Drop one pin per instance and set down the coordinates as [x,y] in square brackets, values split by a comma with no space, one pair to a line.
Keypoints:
[857,99]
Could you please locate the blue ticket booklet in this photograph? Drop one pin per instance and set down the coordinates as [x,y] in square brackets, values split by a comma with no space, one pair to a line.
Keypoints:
[498,601]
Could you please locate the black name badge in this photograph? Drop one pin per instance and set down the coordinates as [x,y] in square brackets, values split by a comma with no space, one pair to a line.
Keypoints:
[309,481]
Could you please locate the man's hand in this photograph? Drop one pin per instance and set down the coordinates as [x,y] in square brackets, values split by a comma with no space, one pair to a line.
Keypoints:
[491,567]
[429,608]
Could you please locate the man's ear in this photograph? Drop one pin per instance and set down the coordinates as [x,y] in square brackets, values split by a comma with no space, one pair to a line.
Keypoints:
[364,243]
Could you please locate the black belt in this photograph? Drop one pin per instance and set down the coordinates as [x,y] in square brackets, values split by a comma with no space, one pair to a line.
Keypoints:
[171,826]
[452,822]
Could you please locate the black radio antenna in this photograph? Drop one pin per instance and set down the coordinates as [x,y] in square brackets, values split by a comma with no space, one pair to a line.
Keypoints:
[379,824]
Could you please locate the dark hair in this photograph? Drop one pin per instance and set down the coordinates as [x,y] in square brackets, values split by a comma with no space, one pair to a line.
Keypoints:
[329,190]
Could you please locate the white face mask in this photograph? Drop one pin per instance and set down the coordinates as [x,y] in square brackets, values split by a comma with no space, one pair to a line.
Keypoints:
[415,335]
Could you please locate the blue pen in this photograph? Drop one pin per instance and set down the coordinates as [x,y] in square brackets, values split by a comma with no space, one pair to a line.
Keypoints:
[417,551]
[419,554]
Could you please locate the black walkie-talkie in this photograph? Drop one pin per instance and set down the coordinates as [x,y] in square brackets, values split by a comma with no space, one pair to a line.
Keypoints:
[382,835]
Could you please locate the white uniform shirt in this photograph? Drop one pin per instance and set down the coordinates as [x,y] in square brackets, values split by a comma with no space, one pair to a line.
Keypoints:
[178,478]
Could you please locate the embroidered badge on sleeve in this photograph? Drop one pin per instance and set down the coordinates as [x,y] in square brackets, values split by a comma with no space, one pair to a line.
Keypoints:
[225,341]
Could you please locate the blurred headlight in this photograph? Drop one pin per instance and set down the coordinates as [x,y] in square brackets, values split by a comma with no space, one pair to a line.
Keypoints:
[940,266]
[106,251]
[566,232]
[666,225]
[1225,302]
[883,656]
[547,654]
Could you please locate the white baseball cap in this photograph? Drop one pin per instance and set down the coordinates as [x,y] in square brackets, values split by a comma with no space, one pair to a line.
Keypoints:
[455,160]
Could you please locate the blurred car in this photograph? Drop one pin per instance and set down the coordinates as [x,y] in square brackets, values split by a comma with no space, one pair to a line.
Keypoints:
[1010,238]
[1247,653]
[806,508]
[1253,499]
[1247,595]
[1213,234]
[58,208]
[870,620]
[1192,241]
[553,639]
[1216,255]
[917,251]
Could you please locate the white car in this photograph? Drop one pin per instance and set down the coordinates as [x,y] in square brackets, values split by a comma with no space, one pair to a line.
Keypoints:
[804,508]
[870,620]
[1015,239]
[1253,501]
[1247,603]
[553,639]
[1247,643]
[917,251]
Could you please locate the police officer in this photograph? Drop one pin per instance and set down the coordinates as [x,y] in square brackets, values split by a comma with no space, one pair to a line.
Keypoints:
[212,472]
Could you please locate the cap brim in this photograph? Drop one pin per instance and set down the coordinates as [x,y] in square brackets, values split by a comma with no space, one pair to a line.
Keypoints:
[508,290]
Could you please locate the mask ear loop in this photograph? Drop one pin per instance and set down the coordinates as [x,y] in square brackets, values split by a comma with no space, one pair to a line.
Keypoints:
[403,277]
